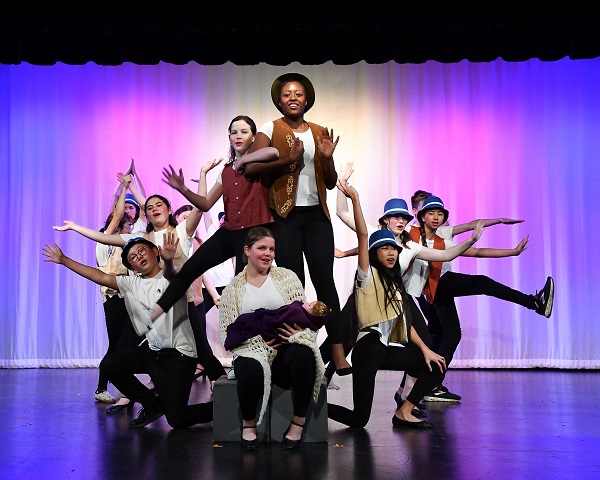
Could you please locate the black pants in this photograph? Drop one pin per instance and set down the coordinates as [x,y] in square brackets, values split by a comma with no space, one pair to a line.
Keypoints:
[208,300]
[306,230]
[221,246]
[120,331]
[294,366]
[212,366]
[172,374]
[445,316]
[370,355]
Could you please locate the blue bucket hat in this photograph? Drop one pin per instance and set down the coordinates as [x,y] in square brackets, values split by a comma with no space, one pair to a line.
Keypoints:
[433,203]
[381,238]
[129,198]
[396,207]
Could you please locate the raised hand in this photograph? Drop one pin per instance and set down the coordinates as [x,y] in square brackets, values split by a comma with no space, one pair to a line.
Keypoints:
[68,225]
[53,253]
[124,179]
[345,172]
[297,150]
[522,246]
[325,143]
[208,166]
[174,179]
[478,230]
[347,189]
[167,251]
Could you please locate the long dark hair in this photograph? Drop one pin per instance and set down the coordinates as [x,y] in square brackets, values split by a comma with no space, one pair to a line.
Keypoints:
[250,122]
[172,222]
[391,281]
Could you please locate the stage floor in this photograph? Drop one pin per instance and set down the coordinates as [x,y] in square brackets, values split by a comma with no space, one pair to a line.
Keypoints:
[511,424]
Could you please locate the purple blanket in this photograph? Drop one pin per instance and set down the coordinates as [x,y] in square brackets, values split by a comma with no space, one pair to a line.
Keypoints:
[265,322]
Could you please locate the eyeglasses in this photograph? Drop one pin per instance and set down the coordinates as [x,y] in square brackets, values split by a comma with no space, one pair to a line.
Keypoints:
[142,250]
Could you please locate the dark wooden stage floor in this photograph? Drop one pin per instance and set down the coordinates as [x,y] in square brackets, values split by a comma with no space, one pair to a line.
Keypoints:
[511,424]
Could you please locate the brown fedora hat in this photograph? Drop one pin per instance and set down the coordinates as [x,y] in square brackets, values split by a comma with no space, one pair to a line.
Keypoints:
[309,90]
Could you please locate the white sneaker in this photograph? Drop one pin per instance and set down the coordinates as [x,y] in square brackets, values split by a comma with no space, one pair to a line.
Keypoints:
[103,396]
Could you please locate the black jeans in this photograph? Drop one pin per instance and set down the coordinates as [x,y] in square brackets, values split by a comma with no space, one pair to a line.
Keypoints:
[172,374]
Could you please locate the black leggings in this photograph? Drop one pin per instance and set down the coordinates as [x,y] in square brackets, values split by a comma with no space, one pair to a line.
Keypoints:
[306,230]
[119,328]
[294,366]
[370,355]
[221,246]
[444,322]
[206,357]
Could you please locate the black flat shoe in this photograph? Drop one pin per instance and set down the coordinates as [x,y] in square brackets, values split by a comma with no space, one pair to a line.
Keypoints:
[288,444]
[342,372]
[417,410]
[422,425]
[248,444]
[119,408]
[146,416]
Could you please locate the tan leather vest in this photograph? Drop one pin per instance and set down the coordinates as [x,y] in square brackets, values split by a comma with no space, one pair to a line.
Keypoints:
[282,194]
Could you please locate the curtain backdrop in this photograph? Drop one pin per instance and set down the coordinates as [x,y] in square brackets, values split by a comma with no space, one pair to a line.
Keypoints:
[492,140]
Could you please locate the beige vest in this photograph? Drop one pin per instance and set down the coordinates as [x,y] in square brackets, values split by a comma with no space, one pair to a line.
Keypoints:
[114,266]
[370,301]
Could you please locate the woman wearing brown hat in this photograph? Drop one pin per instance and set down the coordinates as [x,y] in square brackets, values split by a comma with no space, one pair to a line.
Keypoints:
[300,178]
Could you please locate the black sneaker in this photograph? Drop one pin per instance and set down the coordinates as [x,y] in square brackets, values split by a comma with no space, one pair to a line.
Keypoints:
[441,394]
[545,298]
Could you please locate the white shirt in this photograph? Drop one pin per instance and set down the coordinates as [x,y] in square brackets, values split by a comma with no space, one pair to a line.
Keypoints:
[172,329]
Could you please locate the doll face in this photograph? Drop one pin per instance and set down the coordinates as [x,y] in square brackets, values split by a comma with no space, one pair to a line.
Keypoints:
[240,137]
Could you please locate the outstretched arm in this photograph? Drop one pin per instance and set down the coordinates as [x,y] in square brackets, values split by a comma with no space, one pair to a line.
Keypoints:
[119,208]
[267,154]
[434,255]
[95,235]
[54,254]
[467,227]
[361,226]
[345,253]
[279,166]
[176,180]
[498,252]
[341,204]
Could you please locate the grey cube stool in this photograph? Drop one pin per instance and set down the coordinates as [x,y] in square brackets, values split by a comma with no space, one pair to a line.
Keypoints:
[227,418]
[316,426]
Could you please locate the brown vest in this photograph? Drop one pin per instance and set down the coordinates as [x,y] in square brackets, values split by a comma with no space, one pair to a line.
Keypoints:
[282,194]
[435,268]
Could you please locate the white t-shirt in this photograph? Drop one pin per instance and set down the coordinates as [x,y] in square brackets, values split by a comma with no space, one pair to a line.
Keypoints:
[172,329]
[185,242]
[307,194]
[266,296]
[139,226]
